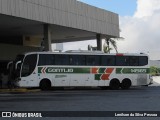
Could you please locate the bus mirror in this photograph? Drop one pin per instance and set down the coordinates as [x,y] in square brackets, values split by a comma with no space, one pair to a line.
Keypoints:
[17,64]
[8,65]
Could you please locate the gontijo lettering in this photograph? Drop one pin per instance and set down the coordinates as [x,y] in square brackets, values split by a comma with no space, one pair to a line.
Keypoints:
[57,70]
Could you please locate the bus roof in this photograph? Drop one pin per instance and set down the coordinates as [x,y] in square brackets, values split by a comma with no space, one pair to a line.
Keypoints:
[88,53]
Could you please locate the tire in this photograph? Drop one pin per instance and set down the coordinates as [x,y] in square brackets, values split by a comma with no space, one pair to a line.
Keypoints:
[126,84]
[114,84]
[45,84]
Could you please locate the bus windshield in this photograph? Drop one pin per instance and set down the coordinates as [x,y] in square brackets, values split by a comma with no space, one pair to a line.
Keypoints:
[29,65]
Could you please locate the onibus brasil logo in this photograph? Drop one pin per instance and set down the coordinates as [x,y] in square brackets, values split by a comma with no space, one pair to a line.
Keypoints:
[21,114]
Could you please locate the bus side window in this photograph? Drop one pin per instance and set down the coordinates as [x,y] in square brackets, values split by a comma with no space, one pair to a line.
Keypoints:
[77,60]
[133,61]
[61,59]
[46,59]
[122,60]
[93,60]
[108,61]
[143,60]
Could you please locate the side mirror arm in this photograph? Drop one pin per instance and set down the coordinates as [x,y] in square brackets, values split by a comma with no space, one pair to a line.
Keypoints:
[11,62]
[19,62]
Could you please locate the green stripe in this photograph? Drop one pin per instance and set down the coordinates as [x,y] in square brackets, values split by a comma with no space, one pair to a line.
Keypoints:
[132,70]
[64,70]
[81,70]
[39,69]
[101,70]
[98,76]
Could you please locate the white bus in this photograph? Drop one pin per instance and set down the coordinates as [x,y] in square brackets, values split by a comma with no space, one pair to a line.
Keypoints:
[73,69]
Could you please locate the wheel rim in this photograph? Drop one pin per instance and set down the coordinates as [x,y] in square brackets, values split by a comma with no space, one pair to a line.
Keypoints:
[126,83]
[115,84]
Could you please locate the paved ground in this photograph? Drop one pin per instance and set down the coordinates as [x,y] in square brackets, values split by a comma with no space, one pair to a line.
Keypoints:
[135,99]
[156,81]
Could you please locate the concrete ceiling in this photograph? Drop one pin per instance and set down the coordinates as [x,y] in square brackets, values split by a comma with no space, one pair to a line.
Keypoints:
[13,26]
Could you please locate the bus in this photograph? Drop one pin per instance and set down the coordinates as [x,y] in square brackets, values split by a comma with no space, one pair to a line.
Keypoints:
[82,69]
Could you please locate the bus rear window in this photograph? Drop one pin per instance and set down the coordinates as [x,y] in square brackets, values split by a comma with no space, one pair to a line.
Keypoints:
[143,60]
[133,61]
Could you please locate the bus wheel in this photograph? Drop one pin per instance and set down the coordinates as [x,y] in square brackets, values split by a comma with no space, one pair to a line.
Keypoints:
[114,84]
[126,84]
[45,84]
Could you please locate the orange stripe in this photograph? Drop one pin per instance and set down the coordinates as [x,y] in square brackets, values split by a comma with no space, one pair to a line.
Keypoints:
[105,77]
[109,70]
[94,70]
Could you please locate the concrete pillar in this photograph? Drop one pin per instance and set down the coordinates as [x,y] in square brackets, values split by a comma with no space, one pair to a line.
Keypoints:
[47,37]
[99,42]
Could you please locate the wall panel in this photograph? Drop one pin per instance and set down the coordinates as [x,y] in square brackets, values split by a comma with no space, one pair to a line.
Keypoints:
[69,13]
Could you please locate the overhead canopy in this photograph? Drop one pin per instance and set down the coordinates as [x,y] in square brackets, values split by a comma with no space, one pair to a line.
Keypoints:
[13,26]
[70,20]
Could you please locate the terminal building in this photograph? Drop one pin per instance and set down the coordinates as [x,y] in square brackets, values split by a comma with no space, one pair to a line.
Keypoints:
[33,25]
[26,24]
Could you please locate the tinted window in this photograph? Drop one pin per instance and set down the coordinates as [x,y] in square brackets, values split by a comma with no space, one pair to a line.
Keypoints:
[143,60]
[93,60]
[77,60]
[108,60]
[133,61]
[29,65]
[61,60]
[46,59]
[122,60]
